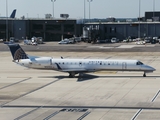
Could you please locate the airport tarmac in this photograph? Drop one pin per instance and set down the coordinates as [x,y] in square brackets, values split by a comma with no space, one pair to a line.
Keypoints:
[87,47]
[28,94]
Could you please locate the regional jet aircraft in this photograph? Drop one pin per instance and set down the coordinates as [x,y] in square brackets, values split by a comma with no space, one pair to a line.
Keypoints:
[75,66]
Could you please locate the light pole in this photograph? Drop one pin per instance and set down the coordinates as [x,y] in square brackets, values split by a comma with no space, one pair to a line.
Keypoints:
[89,8]
[139,28]
[154,17]
[53,6]
[84,11]
[153,9]
[6,20]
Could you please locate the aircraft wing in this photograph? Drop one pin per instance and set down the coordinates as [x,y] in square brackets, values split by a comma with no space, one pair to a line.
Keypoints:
[74,70]
[77,70]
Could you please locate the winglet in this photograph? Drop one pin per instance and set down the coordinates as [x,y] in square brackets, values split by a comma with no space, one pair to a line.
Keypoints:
[17,52]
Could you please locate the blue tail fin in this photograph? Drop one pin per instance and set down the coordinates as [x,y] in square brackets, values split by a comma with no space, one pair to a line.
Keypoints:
[17,52]
[13,14]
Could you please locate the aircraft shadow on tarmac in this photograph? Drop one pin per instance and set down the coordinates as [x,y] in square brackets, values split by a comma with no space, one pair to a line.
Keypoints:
[86,77]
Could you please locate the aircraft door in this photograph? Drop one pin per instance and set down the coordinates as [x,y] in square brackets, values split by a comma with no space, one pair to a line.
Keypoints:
[80,63]
[124,66]
[50,61]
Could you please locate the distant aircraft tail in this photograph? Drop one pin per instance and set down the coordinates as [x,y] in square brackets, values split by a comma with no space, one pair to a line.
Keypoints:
[13,14]
[17,52]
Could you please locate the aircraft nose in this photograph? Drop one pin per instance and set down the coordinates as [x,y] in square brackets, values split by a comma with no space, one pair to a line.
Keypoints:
[151,68]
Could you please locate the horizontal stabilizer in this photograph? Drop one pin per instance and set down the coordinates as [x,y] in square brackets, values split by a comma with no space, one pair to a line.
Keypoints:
[32,57]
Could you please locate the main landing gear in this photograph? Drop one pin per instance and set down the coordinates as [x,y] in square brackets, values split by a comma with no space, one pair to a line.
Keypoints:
[144,75]
[71,74]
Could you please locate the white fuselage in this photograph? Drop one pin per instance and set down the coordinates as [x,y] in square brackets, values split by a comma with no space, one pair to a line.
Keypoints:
[84,65]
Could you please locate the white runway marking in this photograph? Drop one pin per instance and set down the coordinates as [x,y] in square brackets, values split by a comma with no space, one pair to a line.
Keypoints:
[100,47]
[121,46]
[144,45]
[126,46]
[132,46]
[93,46]
[105,47]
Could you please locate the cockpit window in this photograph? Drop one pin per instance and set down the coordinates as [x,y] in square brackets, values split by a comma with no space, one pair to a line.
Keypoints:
[139,63]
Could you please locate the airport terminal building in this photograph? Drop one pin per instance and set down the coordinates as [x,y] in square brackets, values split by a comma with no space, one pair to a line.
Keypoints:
[50,30]
[57,29]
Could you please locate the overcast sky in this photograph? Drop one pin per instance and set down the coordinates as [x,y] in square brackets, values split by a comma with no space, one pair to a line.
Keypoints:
[75,8]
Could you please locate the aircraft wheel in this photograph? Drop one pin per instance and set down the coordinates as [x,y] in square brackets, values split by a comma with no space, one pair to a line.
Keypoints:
[144,75]
[71,75]
[81,75]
